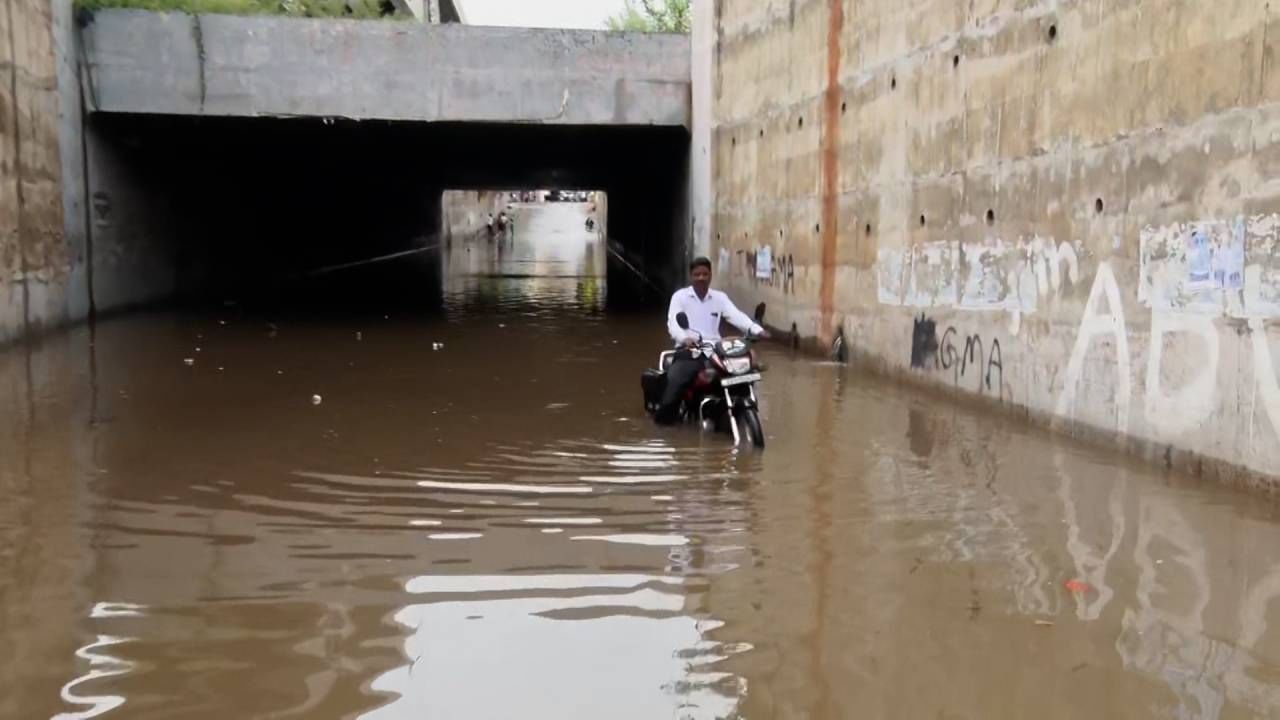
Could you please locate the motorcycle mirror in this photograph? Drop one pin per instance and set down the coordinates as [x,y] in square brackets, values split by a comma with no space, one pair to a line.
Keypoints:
[682,320]
[759,315]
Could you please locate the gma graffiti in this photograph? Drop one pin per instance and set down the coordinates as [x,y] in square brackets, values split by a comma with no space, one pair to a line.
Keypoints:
[988,358]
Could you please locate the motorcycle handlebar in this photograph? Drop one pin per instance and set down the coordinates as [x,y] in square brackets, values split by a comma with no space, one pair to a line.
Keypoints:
[704,344]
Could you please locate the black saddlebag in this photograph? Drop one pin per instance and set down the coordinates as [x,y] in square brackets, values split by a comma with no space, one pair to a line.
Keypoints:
[653,383]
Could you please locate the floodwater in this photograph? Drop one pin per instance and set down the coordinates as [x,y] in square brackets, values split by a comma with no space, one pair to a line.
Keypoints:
[491,528]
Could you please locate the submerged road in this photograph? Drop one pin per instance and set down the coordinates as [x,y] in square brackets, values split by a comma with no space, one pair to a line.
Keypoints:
[476,520]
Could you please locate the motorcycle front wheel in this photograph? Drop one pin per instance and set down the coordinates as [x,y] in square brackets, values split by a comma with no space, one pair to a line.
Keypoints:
[755,431]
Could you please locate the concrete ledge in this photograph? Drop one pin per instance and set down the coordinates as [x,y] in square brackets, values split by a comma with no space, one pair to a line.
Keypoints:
[220,65]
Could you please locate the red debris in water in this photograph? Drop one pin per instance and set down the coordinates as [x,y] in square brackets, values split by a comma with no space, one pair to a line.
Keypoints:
[1078,586]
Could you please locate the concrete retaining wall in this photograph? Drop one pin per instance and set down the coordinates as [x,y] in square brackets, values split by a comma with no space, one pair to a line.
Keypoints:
[465,212]
[1067,208]
[34,260]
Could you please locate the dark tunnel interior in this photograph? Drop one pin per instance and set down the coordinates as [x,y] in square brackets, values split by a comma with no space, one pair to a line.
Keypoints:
[201,209]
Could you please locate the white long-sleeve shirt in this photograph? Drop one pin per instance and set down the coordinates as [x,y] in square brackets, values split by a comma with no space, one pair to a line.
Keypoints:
[705,315]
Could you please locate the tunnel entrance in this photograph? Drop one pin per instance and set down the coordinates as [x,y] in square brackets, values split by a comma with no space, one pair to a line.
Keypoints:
[524,253]
[326,213]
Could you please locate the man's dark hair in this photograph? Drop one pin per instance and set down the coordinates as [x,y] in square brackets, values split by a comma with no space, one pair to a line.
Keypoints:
[700,262]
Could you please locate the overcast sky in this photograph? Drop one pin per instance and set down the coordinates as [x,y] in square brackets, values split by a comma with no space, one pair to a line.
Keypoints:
[540,13]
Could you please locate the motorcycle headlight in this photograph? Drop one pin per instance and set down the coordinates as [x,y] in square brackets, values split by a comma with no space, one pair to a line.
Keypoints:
[737,366]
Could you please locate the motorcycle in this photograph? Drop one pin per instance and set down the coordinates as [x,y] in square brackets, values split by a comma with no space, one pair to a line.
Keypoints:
[723,394]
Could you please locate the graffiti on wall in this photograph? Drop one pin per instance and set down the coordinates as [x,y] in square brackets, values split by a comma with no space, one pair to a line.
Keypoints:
[1103,321]
[761,267]
[924,342]
[1191,275]
[959,354]
[997,276]
[923,277]
[974,354]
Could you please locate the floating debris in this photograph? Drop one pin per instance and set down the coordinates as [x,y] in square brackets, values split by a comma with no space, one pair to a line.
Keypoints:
[316,399]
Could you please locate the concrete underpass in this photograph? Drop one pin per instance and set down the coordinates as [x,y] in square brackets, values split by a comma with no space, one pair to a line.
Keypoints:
[216,168]
[235,207]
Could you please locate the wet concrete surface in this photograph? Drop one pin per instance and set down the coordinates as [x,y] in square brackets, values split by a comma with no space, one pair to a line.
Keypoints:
[493,529]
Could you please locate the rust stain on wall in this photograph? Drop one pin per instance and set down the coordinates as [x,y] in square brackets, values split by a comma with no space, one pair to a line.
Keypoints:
[831,167]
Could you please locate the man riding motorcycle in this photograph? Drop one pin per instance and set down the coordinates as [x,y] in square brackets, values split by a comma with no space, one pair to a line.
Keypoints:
[704,308]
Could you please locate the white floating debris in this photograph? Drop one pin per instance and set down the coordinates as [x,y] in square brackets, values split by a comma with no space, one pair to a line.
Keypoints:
[359,336]
[316,399]
[437,345]
[455,536]
[638,539]
[564,521]
[197,349]
[189,362]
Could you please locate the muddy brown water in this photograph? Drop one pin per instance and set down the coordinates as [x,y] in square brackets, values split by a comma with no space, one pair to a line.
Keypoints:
[493,529]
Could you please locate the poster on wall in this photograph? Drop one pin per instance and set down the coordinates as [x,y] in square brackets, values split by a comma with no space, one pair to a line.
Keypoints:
[764,263]
[1194,267]
[722,262]
[1228,260]
[1199,261]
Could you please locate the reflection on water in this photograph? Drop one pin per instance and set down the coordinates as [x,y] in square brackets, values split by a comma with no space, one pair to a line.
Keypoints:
[565,645]
[102,664]
[478,521]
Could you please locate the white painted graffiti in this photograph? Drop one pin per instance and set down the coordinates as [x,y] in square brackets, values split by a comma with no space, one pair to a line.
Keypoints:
[1094,323]
[993,276]
[1187,407]
[1194,339]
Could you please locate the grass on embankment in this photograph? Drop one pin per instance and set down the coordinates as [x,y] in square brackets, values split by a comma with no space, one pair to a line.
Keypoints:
[358,9]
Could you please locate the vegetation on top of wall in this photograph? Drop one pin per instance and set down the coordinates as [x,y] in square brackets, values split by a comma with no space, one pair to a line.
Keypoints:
[359,9]
[670,16]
